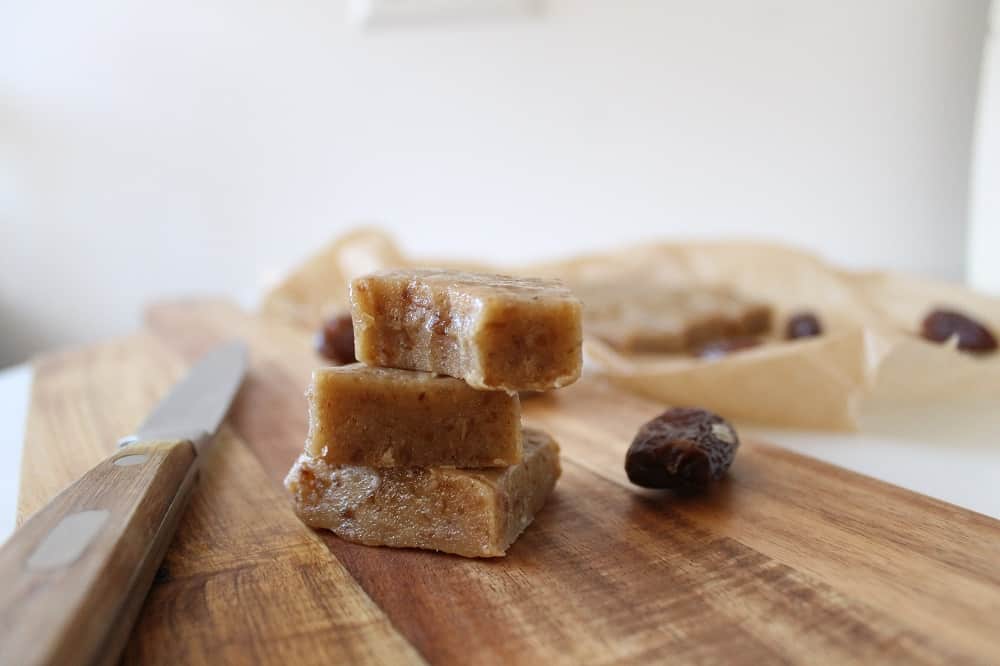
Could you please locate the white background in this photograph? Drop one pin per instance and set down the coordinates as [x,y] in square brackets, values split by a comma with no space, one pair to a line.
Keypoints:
[984,232]
[162,148]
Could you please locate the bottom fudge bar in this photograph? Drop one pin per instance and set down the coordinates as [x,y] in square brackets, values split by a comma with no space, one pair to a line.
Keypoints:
[470,512]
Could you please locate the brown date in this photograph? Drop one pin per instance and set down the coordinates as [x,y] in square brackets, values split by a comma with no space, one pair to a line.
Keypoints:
[803,325]
[335,340]
[682,449]
[941,325]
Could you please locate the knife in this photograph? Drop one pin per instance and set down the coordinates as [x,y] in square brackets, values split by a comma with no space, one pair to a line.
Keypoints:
[74,576]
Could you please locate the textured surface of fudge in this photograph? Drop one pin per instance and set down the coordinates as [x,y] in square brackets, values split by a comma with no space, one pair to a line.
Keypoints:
[669,320]
[384,417]
[493,331]
[470,512]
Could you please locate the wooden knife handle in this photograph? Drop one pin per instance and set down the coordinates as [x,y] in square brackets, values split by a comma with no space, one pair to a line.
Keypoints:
[73,578]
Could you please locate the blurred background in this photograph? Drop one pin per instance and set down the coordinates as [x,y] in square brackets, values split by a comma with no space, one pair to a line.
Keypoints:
[168,148]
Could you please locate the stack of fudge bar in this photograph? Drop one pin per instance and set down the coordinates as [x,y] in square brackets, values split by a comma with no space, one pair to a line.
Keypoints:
[421,445]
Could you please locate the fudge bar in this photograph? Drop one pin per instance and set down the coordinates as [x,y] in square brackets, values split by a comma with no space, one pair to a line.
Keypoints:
[385,417]
[669,319]
[493,331]
[470,512]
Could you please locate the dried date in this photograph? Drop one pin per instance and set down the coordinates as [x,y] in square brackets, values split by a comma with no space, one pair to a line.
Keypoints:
[335,340]
[681,449]
[803,325]
[942,325]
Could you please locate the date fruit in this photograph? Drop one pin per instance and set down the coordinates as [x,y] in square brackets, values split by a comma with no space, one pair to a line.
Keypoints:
[803,325]
[717,349]
[941,325]
[335,340]
[682,449]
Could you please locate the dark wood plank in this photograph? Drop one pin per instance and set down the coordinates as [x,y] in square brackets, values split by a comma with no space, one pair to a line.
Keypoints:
[895,548]
[610,576]
[790,559]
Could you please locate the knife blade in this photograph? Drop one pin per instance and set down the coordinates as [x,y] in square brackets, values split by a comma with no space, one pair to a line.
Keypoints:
[196,405]
[73,577]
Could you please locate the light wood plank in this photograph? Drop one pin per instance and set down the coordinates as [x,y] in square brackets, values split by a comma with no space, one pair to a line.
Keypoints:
[244,581]
[82,401]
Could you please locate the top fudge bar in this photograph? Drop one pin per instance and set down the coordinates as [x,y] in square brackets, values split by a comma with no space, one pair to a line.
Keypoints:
[493,331]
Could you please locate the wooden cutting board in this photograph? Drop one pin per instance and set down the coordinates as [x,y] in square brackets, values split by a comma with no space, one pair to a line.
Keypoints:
[788,560]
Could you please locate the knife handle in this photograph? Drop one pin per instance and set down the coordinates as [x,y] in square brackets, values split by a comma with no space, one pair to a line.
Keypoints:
[74,576]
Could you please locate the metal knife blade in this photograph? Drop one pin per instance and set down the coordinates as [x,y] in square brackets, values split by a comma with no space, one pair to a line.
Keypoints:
[196,406]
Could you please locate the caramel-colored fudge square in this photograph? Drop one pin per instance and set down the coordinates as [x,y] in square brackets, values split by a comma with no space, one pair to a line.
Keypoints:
[470,512]
[385,417]
[662,319]
[493,331]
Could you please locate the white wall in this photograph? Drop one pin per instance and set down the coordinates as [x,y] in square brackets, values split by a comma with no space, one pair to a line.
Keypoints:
[984,224]
[172,147]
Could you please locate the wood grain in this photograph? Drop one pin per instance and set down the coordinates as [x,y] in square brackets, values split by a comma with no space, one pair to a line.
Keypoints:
[789,560]
[243,581]
[894,548]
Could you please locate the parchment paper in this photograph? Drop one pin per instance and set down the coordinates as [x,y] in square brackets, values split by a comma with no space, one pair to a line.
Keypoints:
[870,352]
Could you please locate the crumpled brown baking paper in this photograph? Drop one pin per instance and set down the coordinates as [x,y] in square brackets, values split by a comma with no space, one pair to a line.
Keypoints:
[870,353]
